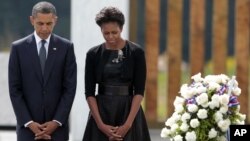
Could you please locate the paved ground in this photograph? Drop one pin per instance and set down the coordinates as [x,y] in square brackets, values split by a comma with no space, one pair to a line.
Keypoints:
[155,135]
[11,136]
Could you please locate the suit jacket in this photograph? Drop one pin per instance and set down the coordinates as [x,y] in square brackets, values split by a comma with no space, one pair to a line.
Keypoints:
[37,97]
[133,68]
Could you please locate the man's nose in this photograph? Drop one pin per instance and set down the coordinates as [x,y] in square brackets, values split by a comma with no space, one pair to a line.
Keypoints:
[44,27]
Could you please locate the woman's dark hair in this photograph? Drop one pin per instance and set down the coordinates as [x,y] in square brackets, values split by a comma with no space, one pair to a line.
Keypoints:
[110,14]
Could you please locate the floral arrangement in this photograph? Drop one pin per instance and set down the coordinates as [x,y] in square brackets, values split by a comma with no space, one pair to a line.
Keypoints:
[205,109]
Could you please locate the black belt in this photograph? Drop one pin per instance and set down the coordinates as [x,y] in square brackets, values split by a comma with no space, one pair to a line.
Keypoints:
[113,90]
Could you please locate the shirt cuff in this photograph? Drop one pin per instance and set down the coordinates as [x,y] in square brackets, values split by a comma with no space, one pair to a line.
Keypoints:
[60,124]
[27,124]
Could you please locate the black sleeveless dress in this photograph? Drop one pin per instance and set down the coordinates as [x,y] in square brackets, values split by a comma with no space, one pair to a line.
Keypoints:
[114,109]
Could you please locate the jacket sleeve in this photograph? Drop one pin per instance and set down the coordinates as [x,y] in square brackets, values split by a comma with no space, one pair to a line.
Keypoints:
[15,88]
[90,78]
[139,71]
[69,86]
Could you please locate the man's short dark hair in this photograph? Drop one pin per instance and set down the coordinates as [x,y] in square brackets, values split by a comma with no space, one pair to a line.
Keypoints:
[44,8]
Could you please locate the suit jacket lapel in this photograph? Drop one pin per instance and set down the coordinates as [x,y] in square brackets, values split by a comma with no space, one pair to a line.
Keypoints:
[32,50]
[52,50]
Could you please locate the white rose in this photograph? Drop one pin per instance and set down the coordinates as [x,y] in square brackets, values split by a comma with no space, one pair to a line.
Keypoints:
[165,132]
[187,94]
[184,127]
[194,123]
[176,117]
[205,105]
[224,78]
[216,98]
[224,99]
[191,92]
[197,84]
[174,114]
[174,127]
[192,108]
[190,136]
[202,99]
[170,121]
[213,86]
[224,124]
[179,101]
[212,133]
[178,138]
[214,78]
[218,116]
[202,114]
[213,104]
[201,89]
[183,89]
[208,78]
[218,79]
[186,116]
[179,108]
[224,109]
[197,77]
[237,91]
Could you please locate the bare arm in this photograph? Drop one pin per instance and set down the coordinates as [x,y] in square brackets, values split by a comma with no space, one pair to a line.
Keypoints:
[136,103]
[94,110]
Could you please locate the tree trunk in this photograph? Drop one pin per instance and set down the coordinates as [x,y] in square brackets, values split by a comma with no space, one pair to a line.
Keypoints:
[197,27]
[220,31]
[242,51]
[152,49]
[174,53]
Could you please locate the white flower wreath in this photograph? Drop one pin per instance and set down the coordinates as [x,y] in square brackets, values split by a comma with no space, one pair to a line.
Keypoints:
[205,109]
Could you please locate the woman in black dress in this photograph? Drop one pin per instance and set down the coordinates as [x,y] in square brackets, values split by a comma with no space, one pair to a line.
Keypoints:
[118,67]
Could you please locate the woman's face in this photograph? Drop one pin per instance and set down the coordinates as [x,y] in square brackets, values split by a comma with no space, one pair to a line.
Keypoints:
[111,32]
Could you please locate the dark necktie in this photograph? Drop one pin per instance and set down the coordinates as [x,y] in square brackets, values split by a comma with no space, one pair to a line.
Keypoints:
[42,55]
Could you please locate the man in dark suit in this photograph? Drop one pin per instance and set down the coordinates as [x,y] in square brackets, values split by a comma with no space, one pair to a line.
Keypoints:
[42,79]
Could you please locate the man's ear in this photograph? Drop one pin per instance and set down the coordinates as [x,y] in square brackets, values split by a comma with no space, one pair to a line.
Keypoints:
[56,18]
[32,20]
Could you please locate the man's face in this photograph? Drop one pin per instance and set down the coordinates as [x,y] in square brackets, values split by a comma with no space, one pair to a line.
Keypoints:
[43,24]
